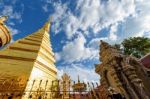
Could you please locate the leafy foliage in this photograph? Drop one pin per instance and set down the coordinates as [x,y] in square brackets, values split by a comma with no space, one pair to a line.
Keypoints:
[136,46]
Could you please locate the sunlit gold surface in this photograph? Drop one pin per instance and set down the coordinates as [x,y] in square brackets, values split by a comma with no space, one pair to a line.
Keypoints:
[4,32]
[27,61]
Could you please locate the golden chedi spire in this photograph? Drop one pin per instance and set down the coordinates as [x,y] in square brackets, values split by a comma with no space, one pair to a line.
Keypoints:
[31,58]
[5,36]
[47,25]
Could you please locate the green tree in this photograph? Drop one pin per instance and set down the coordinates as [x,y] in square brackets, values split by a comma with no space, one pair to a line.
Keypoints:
[117,46]
[137,46]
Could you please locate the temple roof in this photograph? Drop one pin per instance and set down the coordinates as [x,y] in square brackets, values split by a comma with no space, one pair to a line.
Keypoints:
[46,26]
[146,60]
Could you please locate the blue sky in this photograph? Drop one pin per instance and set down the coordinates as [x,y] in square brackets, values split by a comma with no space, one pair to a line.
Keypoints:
[78,26]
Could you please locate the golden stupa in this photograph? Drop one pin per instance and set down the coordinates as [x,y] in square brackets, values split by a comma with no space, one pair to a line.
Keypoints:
[27,66]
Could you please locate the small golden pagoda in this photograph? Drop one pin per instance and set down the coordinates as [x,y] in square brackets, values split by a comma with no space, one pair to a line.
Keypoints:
[79,86]
[27,66]
[66,86]
[5,37]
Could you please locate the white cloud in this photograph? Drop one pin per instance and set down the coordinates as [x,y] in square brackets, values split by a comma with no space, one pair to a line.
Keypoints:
[93,14]
[45,8]
[76,51]
[113,30]
[123,18]
[94,43]
[139,25]
[13,31]
[48,1]
[71,25]
[8,11]
[57,56]
[59,16]
[74,70]
[96,15]
[89,14]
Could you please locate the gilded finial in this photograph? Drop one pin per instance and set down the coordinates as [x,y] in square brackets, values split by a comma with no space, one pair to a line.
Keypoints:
[78,79]
[47,24]
[51,18]
[5,36]
[3,19]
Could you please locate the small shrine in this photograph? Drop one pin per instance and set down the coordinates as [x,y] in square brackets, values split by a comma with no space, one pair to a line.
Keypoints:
[79,86]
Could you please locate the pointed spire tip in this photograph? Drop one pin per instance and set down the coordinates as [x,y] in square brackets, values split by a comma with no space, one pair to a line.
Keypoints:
[51,18]
[47,24]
